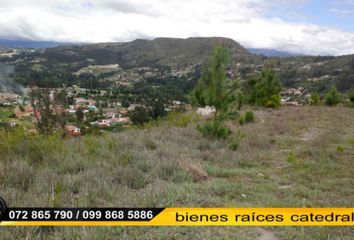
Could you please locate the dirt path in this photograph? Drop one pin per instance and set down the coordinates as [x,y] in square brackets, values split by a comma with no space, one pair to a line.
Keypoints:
[266,235]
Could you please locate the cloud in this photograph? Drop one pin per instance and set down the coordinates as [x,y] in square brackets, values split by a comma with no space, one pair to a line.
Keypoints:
[346,12]
[125,20]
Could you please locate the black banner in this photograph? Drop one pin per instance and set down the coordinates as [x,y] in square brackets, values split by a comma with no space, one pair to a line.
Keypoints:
[2,208]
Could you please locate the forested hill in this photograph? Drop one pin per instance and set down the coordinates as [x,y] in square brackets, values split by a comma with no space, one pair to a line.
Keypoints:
[167,59]
[146,52]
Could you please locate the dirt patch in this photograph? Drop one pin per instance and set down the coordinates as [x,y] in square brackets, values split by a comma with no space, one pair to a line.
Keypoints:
[266,235]
[309,135]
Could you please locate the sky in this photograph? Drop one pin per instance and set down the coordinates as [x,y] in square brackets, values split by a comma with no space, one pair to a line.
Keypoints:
[301,26]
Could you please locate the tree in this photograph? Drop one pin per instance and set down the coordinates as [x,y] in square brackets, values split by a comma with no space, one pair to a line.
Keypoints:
[332,97]
[264,90]
[139,116]
[79,115]
[158,109]
[351,96]
[237,94]
[61,97]
[125,103]
[48,114]
[211,90]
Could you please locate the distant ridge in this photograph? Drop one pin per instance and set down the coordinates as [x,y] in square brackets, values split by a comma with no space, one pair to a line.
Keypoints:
[23,43]
[146,52]
[273,52]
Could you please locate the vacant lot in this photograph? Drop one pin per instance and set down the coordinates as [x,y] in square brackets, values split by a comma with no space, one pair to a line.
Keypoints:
[291,157]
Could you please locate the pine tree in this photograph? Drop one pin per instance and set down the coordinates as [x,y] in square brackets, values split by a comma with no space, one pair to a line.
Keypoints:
[211,90]
[264,90]
[332,97]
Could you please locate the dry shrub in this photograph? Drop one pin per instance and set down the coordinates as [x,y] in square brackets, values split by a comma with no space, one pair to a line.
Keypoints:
[196,170]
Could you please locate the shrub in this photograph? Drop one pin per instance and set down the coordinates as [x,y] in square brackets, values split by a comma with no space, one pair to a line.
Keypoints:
[125,159]
[291,158]
[332,97]
[150,144]
[235,141]
[249,117]
[214,130]
[92,146]
[36,149]
[180,119]
[340,149]
[241,120]
[170,171]
[273,102]
[234,144]
[351,96]
[132,177]
[315,99]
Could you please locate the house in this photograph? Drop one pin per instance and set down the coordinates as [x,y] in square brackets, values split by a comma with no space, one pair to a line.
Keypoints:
[58,109]
[293,103]
[72,130]
[123,111]
[28,111]
[82,102]
[176,103]
[12,124]
[132,107]
[112,115]
[92,108]
[104,122]
[122,120]
[71,111]
[9,96]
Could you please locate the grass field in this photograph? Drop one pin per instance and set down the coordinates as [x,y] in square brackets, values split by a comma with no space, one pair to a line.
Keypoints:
[290,157]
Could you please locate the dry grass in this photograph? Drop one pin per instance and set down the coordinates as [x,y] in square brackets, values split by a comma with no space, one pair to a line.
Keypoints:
[289,158]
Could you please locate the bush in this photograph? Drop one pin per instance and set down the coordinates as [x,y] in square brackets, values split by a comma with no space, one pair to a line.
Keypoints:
[214,130]
[235,141]
[234,144]
[132,177]
[340,149]
[351,96]
[291,158]
[180,119]
[241,120]
[315,99]
[150,145]
[273,102]
[249,117]
[332,97]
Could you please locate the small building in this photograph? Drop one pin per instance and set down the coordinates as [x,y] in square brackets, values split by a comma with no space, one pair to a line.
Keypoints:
[82,102]
[12,124]
[72,130]
[9,96]
[104,122]
[123,120]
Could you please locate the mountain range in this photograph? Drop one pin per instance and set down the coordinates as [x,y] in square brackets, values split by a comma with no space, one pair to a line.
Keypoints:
[24,43]
[61,64]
